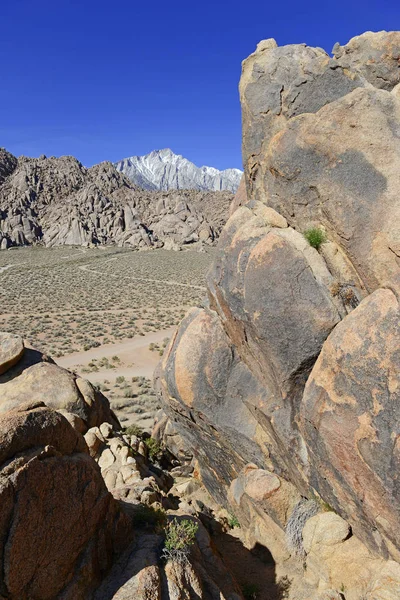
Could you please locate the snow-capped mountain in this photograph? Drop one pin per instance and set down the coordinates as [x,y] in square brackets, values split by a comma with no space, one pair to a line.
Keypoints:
[164,170]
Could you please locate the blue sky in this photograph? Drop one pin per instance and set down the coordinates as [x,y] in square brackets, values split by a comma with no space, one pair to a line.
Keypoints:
[105,80]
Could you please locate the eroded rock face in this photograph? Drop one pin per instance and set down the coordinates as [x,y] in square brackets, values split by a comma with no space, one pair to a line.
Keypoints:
[11,350]
[297,355]
[350,419]
[8,163]
[57,201]
[375,56]
[337,163]
[59,527]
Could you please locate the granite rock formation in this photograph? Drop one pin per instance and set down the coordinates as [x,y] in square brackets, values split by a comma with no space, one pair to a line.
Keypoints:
[164,170]
[286,386]
[59,526]
[83,507]
[57,201]
[27,375]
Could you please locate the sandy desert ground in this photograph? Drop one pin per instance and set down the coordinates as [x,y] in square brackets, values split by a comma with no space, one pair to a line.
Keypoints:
[105,313]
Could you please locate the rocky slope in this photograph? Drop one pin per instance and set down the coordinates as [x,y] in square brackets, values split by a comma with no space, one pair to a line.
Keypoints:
[56,201]
[286,387]
[85,507]
[164,170]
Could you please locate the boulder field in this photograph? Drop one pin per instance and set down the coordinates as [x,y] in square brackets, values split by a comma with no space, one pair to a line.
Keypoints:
[57,201]
[285,386]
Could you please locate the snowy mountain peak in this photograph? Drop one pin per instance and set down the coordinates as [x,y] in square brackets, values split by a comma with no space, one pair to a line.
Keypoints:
[165,170]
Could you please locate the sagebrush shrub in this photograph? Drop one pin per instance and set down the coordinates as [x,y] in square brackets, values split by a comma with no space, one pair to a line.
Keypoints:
[180,535]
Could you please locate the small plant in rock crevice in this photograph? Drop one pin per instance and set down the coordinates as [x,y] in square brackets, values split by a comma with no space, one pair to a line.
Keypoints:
[180,535]
[315,237]
[134,430]
[233,521]
[147,516]
[153,447]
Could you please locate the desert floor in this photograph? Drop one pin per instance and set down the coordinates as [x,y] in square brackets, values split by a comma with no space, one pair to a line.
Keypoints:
[105,313]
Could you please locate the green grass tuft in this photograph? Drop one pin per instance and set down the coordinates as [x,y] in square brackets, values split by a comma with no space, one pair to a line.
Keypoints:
[315,237]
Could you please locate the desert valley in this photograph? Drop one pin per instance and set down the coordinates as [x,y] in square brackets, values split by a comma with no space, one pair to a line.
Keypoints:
[200,368]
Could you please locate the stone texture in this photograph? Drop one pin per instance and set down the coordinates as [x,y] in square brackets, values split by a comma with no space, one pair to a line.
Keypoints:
[279,83]
[59,527]
[349,420]
[8,164]
[44,380]
[320,143]
[11,350]
[340,168]
[240,198]
[140,575]
[338,560]
[285,386]
[374,55]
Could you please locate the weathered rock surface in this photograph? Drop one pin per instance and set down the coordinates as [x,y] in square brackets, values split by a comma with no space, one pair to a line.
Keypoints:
[320,143]
[140,575]
[27,376]
[375,56]
[11,350]
[240,197]
[350,420]
[56,201]
[285,387]
[8,163]
[59,527]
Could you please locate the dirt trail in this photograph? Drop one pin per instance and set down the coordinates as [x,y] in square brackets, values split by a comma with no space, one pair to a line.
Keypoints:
[6,267]
[135,356]
[144,279]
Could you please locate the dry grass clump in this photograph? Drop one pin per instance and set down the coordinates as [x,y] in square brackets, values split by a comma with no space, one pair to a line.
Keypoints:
[304,510]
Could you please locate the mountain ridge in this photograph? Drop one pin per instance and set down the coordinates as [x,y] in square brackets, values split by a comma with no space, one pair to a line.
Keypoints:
[162,170]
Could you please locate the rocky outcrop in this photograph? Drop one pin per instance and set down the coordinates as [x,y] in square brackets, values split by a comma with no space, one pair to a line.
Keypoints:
[59,527]
[26,375]
[240,197]
[57,201]
[11,350]
[85,517]
[164,170]
[375,56]
[285,386]
[8,163]
[320,144]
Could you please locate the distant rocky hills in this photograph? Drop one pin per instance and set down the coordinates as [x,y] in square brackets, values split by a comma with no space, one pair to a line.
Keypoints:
[56,201]
[164,170]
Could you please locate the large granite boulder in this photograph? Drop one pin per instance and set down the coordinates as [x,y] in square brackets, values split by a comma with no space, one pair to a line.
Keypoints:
[320,143]
[374,55]
[59,527]
[285,386]
[351,421]
[11,350]
[28,376]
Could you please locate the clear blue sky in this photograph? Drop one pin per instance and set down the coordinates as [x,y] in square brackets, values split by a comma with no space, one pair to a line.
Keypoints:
[105,80]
